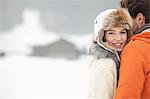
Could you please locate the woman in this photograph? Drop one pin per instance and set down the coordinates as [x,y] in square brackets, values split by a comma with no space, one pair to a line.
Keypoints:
[111,33]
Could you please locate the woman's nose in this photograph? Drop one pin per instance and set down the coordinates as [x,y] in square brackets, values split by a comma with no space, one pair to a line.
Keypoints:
[118,37]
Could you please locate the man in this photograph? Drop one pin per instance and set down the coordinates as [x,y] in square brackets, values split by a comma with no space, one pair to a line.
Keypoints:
[134,81]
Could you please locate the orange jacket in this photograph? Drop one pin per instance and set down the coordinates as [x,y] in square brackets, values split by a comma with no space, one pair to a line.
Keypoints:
[134,82]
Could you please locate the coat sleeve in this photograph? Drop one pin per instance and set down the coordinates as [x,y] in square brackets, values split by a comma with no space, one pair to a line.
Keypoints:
[102,79]
[131,79]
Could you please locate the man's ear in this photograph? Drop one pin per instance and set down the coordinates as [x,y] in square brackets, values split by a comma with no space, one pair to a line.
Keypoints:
[140,19]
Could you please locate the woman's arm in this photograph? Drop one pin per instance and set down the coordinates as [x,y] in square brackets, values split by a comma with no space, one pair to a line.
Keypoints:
[102,79]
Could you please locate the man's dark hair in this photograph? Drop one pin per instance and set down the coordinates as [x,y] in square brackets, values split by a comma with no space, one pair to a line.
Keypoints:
[137,6]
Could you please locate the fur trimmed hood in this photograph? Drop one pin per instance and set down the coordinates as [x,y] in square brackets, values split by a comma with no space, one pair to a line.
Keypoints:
[109,19]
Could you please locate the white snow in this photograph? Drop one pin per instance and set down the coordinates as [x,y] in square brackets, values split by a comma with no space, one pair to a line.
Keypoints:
[80,41]
[30,33]
[24,77]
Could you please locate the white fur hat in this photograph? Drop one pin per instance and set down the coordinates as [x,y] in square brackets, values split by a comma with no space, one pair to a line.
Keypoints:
[111,18]
[99,20]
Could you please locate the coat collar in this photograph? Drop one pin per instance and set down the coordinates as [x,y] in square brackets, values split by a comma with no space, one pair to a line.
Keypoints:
[143,28]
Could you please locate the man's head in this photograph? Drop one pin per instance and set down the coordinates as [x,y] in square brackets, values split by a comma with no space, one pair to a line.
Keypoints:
[139,11]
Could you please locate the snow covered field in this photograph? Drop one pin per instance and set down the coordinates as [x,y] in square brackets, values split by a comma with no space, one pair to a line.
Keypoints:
[29,77]
[43,78]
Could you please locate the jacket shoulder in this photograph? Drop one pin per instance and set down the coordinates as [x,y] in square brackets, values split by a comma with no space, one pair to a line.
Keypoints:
[99,52]
[104,63]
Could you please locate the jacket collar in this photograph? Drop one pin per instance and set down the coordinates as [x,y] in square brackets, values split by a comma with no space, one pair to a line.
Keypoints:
[147,30]
[143,28]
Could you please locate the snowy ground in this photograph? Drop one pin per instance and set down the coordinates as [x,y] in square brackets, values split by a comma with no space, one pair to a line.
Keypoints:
[25,77]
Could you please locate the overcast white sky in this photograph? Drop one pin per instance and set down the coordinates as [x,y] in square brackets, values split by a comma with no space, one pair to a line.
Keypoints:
[69,16]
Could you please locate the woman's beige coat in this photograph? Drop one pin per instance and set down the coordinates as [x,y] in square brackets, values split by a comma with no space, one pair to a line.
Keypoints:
[103,77]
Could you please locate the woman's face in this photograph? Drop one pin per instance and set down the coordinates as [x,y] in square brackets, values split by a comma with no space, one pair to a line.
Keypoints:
[116,38]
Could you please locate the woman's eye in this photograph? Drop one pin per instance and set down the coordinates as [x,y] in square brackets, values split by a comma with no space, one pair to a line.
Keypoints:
[123,32]
[110,33]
